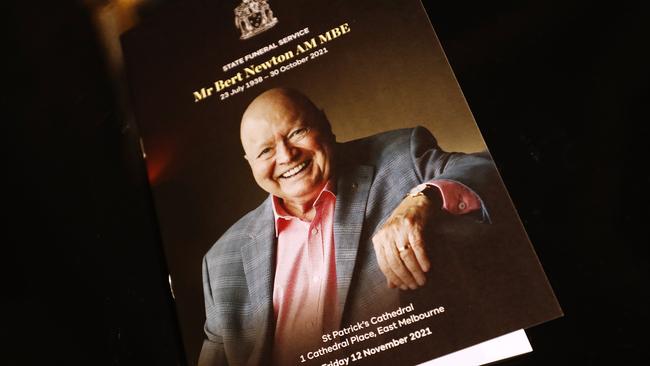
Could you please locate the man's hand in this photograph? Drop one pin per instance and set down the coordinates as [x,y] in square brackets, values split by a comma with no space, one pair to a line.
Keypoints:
[399,244]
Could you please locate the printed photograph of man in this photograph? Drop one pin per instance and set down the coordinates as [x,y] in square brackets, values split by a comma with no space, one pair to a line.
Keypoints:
[340,236]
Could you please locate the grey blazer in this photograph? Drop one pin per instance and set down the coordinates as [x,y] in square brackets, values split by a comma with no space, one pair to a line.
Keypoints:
[373,175]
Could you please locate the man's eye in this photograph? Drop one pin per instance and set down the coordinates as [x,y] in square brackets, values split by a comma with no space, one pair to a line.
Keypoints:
[264,152]
[299,133]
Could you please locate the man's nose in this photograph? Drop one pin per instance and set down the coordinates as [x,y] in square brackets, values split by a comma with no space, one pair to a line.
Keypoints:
[285,153]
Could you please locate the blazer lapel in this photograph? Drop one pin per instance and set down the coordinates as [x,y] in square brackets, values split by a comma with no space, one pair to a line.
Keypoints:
[352,191]
[258,257]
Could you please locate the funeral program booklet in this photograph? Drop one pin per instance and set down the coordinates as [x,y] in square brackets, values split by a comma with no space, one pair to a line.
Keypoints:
[323,192]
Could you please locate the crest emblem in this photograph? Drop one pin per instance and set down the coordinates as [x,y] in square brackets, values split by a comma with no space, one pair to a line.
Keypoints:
[253,17]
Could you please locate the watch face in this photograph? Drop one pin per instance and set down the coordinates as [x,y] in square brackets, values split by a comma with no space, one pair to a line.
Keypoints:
[417,190]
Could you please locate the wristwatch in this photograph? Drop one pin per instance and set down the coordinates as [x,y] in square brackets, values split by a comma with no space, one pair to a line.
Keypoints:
[428,190]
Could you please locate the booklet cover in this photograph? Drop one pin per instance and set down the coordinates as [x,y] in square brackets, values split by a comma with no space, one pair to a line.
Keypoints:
[323,193]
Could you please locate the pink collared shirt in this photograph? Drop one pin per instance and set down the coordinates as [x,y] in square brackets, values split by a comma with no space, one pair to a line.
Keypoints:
[457,199]
[304,290]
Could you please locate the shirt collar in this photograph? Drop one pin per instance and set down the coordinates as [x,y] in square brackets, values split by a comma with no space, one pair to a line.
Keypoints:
[279,211]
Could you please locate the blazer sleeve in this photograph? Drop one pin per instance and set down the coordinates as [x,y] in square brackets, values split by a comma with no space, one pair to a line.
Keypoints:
[212,351]
[475,171]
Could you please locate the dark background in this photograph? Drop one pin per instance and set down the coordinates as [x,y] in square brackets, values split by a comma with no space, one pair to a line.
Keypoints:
[556,88]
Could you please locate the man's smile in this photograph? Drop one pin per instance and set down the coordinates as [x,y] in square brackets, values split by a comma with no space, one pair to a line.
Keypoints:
[295,170]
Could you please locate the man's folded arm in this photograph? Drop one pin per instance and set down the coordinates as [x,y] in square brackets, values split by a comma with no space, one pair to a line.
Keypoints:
[464,183]
[212,351]
[463,179]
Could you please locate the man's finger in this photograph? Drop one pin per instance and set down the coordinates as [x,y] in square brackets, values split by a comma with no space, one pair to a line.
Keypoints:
[391,278]
[419,249]
[408,257]
[396,264]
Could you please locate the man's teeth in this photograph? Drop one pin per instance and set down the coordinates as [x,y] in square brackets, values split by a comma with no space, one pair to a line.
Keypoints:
[295,170]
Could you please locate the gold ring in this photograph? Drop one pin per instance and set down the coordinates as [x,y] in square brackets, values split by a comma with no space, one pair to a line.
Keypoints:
[404,248]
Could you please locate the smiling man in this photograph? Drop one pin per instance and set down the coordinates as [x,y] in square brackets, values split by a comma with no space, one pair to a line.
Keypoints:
[341,236]
[289,148]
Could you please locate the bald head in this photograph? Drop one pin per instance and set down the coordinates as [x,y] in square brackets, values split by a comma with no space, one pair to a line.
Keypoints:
[288,144]
[278,103]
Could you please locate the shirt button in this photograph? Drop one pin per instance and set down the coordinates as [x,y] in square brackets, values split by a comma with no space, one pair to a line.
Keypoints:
[462,205]
[314,231]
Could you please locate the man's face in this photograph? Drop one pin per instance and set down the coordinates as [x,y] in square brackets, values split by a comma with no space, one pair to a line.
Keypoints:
[286,149]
